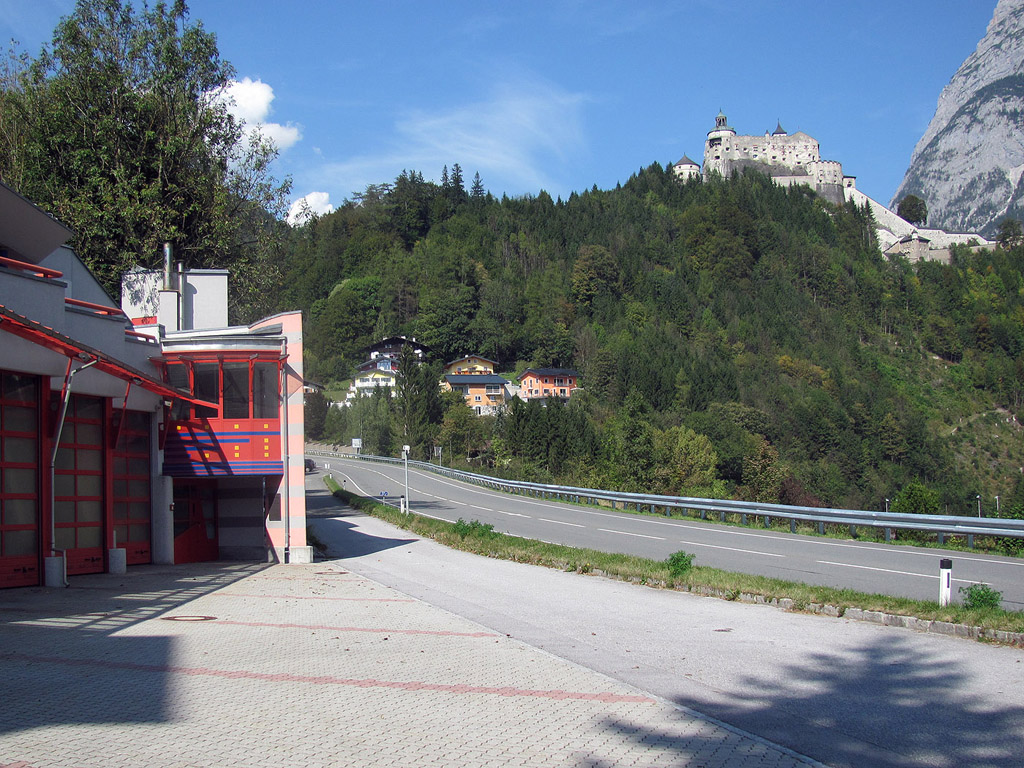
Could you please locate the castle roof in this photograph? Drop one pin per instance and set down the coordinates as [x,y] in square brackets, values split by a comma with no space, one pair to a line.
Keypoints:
[686,161]
[779,130]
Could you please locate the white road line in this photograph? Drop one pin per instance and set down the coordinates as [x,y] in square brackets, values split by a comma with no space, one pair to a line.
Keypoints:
[639,535]
[485,509]
[560,522]
[511,514]
[887,570]
[731,549]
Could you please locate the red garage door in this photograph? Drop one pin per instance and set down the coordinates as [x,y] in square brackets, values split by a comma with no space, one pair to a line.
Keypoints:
[19,480]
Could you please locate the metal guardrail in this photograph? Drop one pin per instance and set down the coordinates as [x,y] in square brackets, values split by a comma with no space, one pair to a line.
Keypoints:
[941,525]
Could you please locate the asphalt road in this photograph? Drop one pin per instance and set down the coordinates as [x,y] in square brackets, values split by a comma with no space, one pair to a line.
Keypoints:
[848,694]
[898,570]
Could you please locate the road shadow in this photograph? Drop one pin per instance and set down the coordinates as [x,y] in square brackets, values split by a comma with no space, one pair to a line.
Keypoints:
[340,537]
[63,661]
[890,707]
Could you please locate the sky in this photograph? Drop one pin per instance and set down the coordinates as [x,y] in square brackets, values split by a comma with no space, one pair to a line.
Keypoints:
[562,95]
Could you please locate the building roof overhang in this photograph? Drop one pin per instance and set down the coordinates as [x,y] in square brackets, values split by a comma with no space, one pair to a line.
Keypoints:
[39,334]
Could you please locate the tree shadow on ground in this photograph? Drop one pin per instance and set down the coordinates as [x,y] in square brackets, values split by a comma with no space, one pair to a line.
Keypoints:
[890,707]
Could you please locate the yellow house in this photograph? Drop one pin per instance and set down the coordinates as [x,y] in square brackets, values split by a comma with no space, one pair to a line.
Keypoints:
[470,365]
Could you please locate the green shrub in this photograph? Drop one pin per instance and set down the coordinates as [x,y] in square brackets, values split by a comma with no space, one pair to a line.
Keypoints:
[979,596]
[679,563]
[473,528]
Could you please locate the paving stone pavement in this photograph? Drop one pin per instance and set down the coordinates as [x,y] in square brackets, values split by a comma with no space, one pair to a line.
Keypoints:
[310,665]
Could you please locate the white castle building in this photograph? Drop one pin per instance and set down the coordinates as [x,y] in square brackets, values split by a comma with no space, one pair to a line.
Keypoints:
[791,159]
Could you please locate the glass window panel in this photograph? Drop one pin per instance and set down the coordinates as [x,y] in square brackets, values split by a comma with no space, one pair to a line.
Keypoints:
[19,511]
[137,421]
[265,391]
[90,511]
[139,533]
[65,459]
[64,511]
[138,467]
[90,460]
[17,386]
[18,419]
[177,376]
[207,387]
[120,510]
[64,538]
[88,408]
[19,480]
[64,485]
[138,489]
[139,510]
[90,537]
[236,390]
[120,534]
[138,443]
[20,449]
[90,485]
[120,489]
[67,433]
[19,543]
[89,434]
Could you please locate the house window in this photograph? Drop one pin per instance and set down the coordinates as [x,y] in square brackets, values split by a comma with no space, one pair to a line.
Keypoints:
[561,392]
[476,398]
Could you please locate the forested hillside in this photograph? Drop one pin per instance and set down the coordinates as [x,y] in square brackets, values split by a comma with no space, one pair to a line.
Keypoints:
[735,338]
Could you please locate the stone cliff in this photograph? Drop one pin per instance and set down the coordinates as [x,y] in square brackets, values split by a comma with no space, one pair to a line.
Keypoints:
[968,165]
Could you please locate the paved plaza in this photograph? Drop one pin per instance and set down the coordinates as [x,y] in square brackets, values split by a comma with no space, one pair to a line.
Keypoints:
[311,665]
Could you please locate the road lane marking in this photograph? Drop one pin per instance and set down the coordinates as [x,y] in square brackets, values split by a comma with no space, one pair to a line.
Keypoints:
[560,522]
[485,509]
[731,549]
[512,514]
[626,533]
[888,570]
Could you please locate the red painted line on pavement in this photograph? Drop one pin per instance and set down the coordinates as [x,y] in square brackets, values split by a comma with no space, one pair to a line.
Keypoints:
[313,597]
[378,630]
[285,677]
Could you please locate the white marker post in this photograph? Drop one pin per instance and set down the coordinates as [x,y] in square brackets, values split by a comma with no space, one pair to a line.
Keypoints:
[945,580]
[405,455]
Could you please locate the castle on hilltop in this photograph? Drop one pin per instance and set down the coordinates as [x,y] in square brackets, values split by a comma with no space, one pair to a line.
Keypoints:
[791,159]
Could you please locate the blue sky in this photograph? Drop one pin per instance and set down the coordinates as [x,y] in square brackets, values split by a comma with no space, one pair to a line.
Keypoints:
[564,94]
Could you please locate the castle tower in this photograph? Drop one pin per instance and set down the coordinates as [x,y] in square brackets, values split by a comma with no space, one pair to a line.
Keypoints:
[686,169]
[719,146]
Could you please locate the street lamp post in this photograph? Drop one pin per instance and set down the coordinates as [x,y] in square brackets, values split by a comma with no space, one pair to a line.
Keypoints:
[887,506]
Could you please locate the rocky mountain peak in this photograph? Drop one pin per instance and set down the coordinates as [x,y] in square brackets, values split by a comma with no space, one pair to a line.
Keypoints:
[969,162]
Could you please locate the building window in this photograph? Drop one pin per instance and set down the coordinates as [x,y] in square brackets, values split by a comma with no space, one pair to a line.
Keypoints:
[236,390]
[265,391]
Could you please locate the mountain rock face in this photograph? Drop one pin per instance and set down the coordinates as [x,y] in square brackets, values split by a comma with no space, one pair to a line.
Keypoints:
[968,165]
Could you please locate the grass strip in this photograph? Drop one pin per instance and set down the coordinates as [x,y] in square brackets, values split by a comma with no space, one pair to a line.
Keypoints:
[481,539]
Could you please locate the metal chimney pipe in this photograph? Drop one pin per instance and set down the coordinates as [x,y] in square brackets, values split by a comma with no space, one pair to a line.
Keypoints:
[168,282]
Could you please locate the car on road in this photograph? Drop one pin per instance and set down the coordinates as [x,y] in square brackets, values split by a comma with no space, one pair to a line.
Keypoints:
[310,465]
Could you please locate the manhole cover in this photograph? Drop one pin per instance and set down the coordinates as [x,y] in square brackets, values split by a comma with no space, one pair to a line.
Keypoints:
[189,618]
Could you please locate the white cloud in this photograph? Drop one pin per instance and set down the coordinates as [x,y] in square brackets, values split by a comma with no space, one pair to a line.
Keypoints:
[315,203]
[249,101]
[519,139]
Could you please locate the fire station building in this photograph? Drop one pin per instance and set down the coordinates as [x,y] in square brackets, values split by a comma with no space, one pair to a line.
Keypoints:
[152,433]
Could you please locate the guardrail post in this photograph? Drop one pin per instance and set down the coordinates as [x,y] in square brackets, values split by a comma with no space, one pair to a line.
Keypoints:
[792,525]
[821,528]
[767,521]
[743,518]
[722,513]
[703,514]
[970,541]
[888,535]
[853,531]
[942,538]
